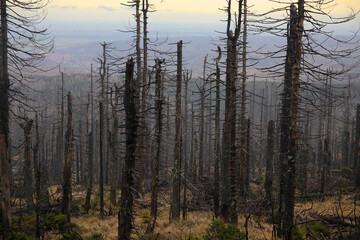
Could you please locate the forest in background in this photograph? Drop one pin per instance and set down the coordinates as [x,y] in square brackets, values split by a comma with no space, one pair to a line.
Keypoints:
[161,139]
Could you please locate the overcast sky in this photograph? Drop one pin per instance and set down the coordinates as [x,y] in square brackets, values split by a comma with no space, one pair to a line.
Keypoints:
[81,17]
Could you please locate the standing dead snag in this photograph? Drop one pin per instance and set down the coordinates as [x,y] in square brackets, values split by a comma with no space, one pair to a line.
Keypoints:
[128,181]
[242,184]
[4,124]
[202,124]
[68,162]
[297,18]
[102,73]
[285,112]
[187,78]
[114,156]
[357,148]
[175,204]
[269,160]
[28,181]
[89,182]
[217,140]
[158,132]
[229,208]
[37,171]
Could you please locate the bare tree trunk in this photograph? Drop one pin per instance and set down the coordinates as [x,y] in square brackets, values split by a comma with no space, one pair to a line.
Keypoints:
[143,129]
[139,154]
[158,132]
[4,125]
[68,162]
[202,125]
[37,179]
[217,140]
[61,156]
[187,78]
[102,73]
[357,149]
[243,153]
[28,181]
[295,77]
[101,180]
[285,120]
[90,136]
[128,182]
[346,134]
[247,164]
[175,205]
[192,164]
[269,160]
[81,155]
[114,167]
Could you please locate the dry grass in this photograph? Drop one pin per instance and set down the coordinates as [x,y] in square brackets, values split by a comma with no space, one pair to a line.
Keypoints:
[197,222]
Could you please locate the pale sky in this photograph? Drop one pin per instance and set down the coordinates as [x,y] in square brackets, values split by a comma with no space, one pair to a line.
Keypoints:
[78,16]
[170,10]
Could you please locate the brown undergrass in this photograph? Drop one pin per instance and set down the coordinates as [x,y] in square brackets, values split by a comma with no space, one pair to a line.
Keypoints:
[194,227]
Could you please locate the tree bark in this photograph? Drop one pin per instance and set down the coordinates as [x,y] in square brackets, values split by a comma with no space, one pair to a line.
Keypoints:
[158,136]
[28,179]
[269,160]
[4,124]
[66,205]
[243,153]
[217,140]
[114,165]
[128,182]
[175,205]
[90,156]
[357,149]
[295,78]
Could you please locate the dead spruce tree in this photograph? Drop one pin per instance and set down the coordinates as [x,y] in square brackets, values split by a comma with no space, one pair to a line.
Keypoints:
[114,164]
[302,49]
[28,179]
[128,180]
[158,136]
[230,185]
[17,27]
[217,139]
[175,204]
[66,202]
[90,137]
[269,160]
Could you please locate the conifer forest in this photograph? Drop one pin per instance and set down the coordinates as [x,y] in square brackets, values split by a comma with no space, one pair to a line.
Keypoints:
[250,133]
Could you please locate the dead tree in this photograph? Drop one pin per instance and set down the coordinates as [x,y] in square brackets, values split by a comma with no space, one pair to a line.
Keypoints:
[217,140]
[66,201]
[114,164]
[187,78]
[102,73]
[37,170]
[89,183]
[17,29]
[243,153]
[229,194]
[269,160]
[289,198]
[175,204]
[285,123]
[202,124]
[28,179]
[158,136]
[4,123]
[128,181]
[144,93]
[346,133]
[357,149]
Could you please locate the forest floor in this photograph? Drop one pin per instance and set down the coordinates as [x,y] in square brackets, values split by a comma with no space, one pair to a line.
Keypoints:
[329,218]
